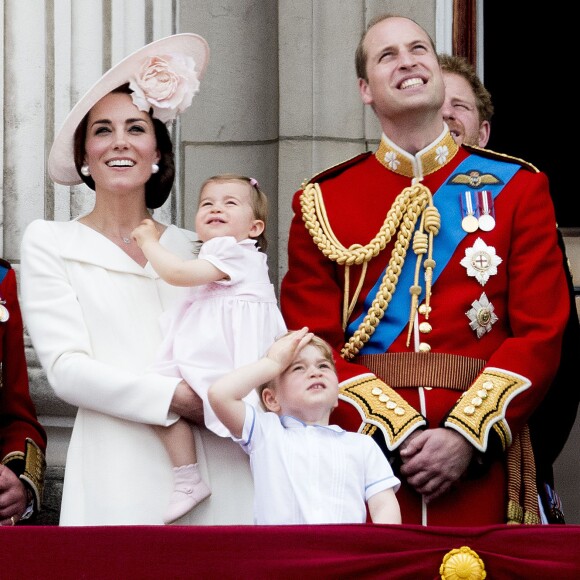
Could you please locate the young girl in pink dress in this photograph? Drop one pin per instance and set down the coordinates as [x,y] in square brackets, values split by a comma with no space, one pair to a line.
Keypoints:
[229,318]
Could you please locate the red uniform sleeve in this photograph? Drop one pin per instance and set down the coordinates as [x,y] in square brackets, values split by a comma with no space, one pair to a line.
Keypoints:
[22,437]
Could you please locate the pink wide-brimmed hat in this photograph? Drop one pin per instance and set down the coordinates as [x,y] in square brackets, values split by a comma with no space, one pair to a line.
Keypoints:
[164,76]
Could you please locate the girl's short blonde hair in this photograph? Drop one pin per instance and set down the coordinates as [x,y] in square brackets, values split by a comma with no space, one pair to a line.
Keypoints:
[258,200]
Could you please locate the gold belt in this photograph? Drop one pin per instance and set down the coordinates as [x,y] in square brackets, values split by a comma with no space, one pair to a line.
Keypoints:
[424,369]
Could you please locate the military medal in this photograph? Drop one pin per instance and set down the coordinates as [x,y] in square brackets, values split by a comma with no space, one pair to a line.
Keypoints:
[4,314]
[469,222]
[481,315]
[481,261]
[485,208]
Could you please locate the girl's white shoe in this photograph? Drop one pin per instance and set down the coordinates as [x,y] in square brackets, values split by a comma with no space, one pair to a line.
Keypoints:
[189,490]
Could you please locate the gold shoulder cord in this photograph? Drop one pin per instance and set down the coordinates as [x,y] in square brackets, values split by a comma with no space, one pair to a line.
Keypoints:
[413,202]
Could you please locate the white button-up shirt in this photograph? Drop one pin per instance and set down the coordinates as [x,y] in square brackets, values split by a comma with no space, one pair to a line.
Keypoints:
[311,474]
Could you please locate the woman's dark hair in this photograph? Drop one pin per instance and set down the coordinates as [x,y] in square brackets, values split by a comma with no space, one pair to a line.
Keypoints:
[158,188]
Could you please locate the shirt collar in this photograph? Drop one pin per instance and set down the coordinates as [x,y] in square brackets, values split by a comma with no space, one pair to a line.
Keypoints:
[289,422]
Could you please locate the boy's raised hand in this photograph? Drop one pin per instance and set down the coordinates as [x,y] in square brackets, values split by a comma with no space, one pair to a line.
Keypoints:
[284,350]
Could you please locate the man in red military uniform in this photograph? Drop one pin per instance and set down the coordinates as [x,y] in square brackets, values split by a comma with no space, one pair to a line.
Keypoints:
[435,272]
[22,437]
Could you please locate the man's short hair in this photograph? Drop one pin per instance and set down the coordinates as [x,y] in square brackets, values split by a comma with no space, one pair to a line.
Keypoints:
[462,67]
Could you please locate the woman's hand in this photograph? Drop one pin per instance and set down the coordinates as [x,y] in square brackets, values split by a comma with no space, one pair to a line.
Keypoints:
[187,404]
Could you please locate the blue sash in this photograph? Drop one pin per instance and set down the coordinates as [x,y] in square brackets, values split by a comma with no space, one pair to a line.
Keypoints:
[447,201]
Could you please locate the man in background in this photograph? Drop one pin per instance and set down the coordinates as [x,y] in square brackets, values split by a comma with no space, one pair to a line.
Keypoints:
[467,108]
[22,437]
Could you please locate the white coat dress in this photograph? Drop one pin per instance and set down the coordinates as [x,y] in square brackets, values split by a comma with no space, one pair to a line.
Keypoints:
[92,314]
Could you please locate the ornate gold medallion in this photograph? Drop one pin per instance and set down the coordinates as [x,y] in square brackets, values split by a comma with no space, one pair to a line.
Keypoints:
[462,564]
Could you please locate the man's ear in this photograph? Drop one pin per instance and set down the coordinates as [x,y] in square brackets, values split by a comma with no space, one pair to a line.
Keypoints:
[365,92]
[270,401]
[484,132]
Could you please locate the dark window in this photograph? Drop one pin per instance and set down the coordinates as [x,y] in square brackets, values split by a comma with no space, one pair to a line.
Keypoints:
[528,71]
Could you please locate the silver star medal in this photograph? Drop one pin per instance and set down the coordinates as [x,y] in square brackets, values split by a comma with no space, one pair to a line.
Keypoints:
[4,314]
[481,315]
[481,261]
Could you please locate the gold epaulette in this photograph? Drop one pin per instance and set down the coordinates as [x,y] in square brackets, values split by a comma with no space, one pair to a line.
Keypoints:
[502,156]
[381,406]
[483,406]
[336,169]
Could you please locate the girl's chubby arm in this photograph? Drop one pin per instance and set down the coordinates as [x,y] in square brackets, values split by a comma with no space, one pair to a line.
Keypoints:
[171,268]
[226,394]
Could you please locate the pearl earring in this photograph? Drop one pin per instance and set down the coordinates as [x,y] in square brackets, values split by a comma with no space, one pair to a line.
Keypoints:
[85,170]
[154,168]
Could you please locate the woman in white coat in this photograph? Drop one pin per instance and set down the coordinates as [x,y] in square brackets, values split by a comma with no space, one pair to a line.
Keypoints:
[92,303]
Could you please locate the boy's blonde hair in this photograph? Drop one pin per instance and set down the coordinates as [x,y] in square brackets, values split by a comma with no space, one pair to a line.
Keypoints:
[258,200]
[324,348]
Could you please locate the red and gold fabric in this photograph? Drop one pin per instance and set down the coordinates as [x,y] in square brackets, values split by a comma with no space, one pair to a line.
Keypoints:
[509,359]
[22,437]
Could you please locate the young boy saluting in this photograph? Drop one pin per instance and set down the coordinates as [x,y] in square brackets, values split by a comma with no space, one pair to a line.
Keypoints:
[305,470]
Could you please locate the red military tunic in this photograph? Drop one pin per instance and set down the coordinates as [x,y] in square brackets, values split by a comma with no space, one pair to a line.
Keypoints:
[498,327]
[22,437]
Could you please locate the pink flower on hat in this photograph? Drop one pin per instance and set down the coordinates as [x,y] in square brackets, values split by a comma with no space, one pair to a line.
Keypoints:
[165,83]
